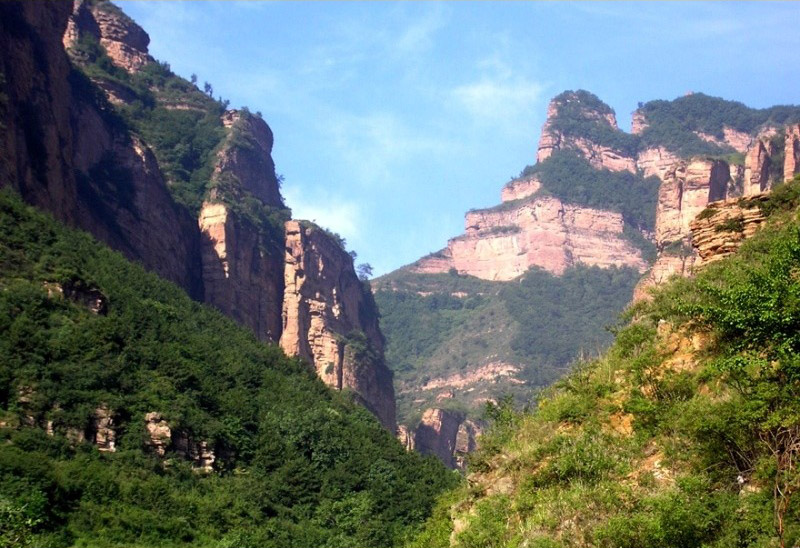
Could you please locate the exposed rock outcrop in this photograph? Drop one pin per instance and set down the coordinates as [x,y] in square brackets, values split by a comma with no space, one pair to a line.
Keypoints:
[103,428]
[791,158]
[599,155]
[724,225]
[437,433]
[655,161]
[502,243]
[444,434]
[685,191]
[161,438]
[466,442]
[125,42]
[757,164]
[686,188]
[65,153]
[330,319]
[406,437]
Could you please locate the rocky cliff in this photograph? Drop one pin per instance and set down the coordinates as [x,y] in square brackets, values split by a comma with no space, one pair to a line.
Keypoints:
[66,151]
[527,230]
[722,227]
[330,319]
[125,42]
[218,230]
[243,258]
[568,117]
[447,435]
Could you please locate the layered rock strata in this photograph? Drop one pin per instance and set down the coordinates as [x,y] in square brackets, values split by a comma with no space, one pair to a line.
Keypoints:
[724,225]
[330,319]
[503,242]
[125,42]
[686,188]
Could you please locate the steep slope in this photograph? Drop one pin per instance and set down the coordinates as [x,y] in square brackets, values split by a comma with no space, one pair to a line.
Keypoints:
[596,196]
[132,416]
[65,150]
[684,434]
[201,208]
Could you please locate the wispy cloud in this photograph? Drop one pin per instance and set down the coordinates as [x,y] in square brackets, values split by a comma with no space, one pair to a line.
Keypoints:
[328,209]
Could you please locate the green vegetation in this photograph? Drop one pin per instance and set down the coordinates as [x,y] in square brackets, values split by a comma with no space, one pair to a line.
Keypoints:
[563,317]
[672,123]
[437,325]
[571,178]
[578,117]
[297,464]
[685,433]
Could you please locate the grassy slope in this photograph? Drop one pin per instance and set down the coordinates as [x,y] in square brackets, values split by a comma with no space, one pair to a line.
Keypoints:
[299,464]
[686,433]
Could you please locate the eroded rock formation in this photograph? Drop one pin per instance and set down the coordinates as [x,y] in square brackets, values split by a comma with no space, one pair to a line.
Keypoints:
[501,243]
[686,188]
[724,225]
[65,150]
[64,153]
[125,42]
[330,319]
[599,155]
[448,435]
[757,164]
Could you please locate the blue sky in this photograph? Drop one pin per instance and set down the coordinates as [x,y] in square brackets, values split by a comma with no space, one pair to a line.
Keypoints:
[391,120]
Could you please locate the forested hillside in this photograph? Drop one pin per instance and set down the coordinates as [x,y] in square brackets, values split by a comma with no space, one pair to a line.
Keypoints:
[133,416]
[685,433]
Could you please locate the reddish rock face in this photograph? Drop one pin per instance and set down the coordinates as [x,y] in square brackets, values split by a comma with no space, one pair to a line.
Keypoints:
[239,278]
[444,434]
[598,155]
[251,167]
[437,433]
[713,244]
[504,242]
[791,160]
[125,42]
[329,319]
[63,154]
[685,191]
[757,164]
[655,161]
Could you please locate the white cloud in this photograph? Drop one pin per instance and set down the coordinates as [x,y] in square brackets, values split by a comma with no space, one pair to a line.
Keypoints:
[499,101]
[327,209]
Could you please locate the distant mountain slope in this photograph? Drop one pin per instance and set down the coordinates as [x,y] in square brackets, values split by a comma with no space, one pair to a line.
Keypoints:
[597,197]
[685,433]
[132,416]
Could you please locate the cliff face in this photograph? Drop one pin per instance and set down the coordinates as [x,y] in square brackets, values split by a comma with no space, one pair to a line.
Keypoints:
[67,150]
[125,42]
[447,435]
[686,188]
[242,262]
[724,225]
[242,272]
[503,242]
[64,150]
[599,155]
[329,319]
